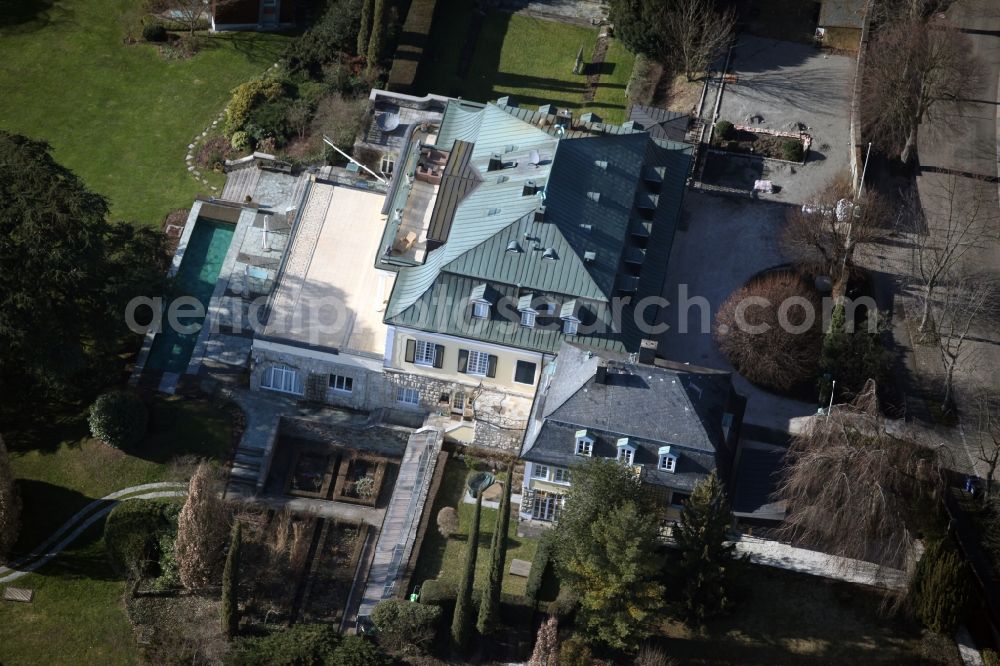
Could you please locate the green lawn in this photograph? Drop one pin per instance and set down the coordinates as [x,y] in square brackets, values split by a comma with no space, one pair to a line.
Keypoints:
[76,617]
[119,116]
[528,58]
[60,469]
[445,558]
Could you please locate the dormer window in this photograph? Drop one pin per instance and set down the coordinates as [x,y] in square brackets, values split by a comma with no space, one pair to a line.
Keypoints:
[667,461]
[480,303]
[571,322]
[626,452]
[584,444]
[527,310]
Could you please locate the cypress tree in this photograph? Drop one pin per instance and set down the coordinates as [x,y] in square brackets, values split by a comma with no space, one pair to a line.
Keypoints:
[489,607]
[366,27]
[378,31]
[231,583]
[706,556]
[462,621]
[941,587]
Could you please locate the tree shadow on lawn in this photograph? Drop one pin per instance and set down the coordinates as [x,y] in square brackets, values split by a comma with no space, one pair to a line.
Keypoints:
[46,428]
[85,559]
[44,508]
[26,16]
[263,47]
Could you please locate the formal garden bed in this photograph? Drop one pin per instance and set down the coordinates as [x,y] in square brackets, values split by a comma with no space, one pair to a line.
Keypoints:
[787,146]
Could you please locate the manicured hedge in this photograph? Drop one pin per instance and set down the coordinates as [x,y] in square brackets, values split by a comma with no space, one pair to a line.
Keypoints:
[412,41]
[540,563]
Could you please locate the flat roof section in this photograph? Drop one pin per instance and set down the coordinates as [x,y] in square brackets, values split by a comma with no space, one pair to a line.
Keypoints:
[330,294]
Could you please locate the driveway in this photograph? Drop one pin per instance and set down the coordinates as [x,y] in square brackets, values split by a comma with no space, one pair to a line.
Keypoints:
[786,86]
[727,242]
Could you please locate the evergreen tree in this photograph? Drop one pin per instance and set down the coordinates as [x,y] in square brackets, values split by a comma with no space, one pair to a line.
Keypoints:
[10,505]
[706,557]
[377,35]
[489,607]
[853,357]
[461,623]
[231,584]
[366,27]
[200,532]
[941,587]
[606,552]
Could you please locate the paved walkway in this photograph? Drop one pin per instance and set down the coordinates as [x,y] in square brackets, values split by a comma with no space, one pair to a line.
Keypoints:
[81,521]
[395,543]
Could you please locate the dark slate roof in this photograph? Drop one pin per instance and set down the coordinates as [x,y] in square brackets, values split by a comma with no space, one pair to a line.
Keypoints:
[660,123]
[652,405]
[757,477]
[591,182]
[555,441]
[842,14]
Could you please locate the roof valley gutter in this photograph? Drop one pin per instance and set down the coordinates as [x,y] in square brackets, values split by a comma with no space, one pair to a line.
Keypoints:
[560,132]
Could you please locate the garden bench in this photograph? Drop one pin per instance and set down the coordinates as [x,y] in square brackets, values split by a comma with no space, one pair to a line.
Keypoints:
[520,568]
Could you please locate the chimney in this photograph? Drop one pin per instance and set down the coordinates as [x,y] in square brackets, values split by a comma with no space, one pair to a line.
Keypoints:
[529,188]
[540,214]
[602,374]
[496,162]
[647,352]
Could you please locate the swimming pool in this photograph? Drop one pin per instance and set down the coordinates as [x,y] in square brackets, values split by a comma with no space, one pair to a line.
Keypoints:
[197,275]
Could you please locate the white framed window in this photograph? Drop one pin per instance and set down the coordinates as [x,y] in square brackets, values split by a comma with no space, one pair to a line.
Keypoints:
[561,475]
[407,396]
[528,318]
[570,326]
[546,506]
[479,363]
[387,165]
[282,378]
[480,310]
[584,444]
[626,455]
[342,383]
[667,461]
[424,353]
[540,472]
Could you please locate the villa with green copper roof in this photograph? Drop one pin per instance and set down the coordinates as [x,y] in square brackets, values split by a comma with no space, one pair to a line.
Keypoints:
[511,230]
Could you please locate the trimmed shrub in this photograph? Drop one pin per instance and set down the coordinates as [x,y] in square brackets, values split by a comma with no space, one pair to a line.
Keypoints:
[438,592]
[539,565]
[118,418]
[10,505]
[201,532]
[575,652]
[231,584]
[139,534]
[941,587]
[358,651]
[299,644]
[154,32]
[270,120]
[404,623]
[447,521]
[241,140]
[791,150]
[724,130]
[245,97]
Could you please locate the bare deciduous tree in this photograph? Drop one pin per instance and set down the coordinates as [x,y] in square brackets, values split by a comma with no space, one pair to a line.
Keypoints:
[546,651]
[822,237]
[856,491]
[201,531]
[911,66]
[957,218]
[694,33]
[770,331]
[988,434]
[967,302]
[189,13]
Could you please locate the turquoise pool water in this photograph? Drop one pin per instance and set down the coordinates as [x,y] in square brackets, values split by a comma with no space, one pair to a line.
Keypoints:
[197,275]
